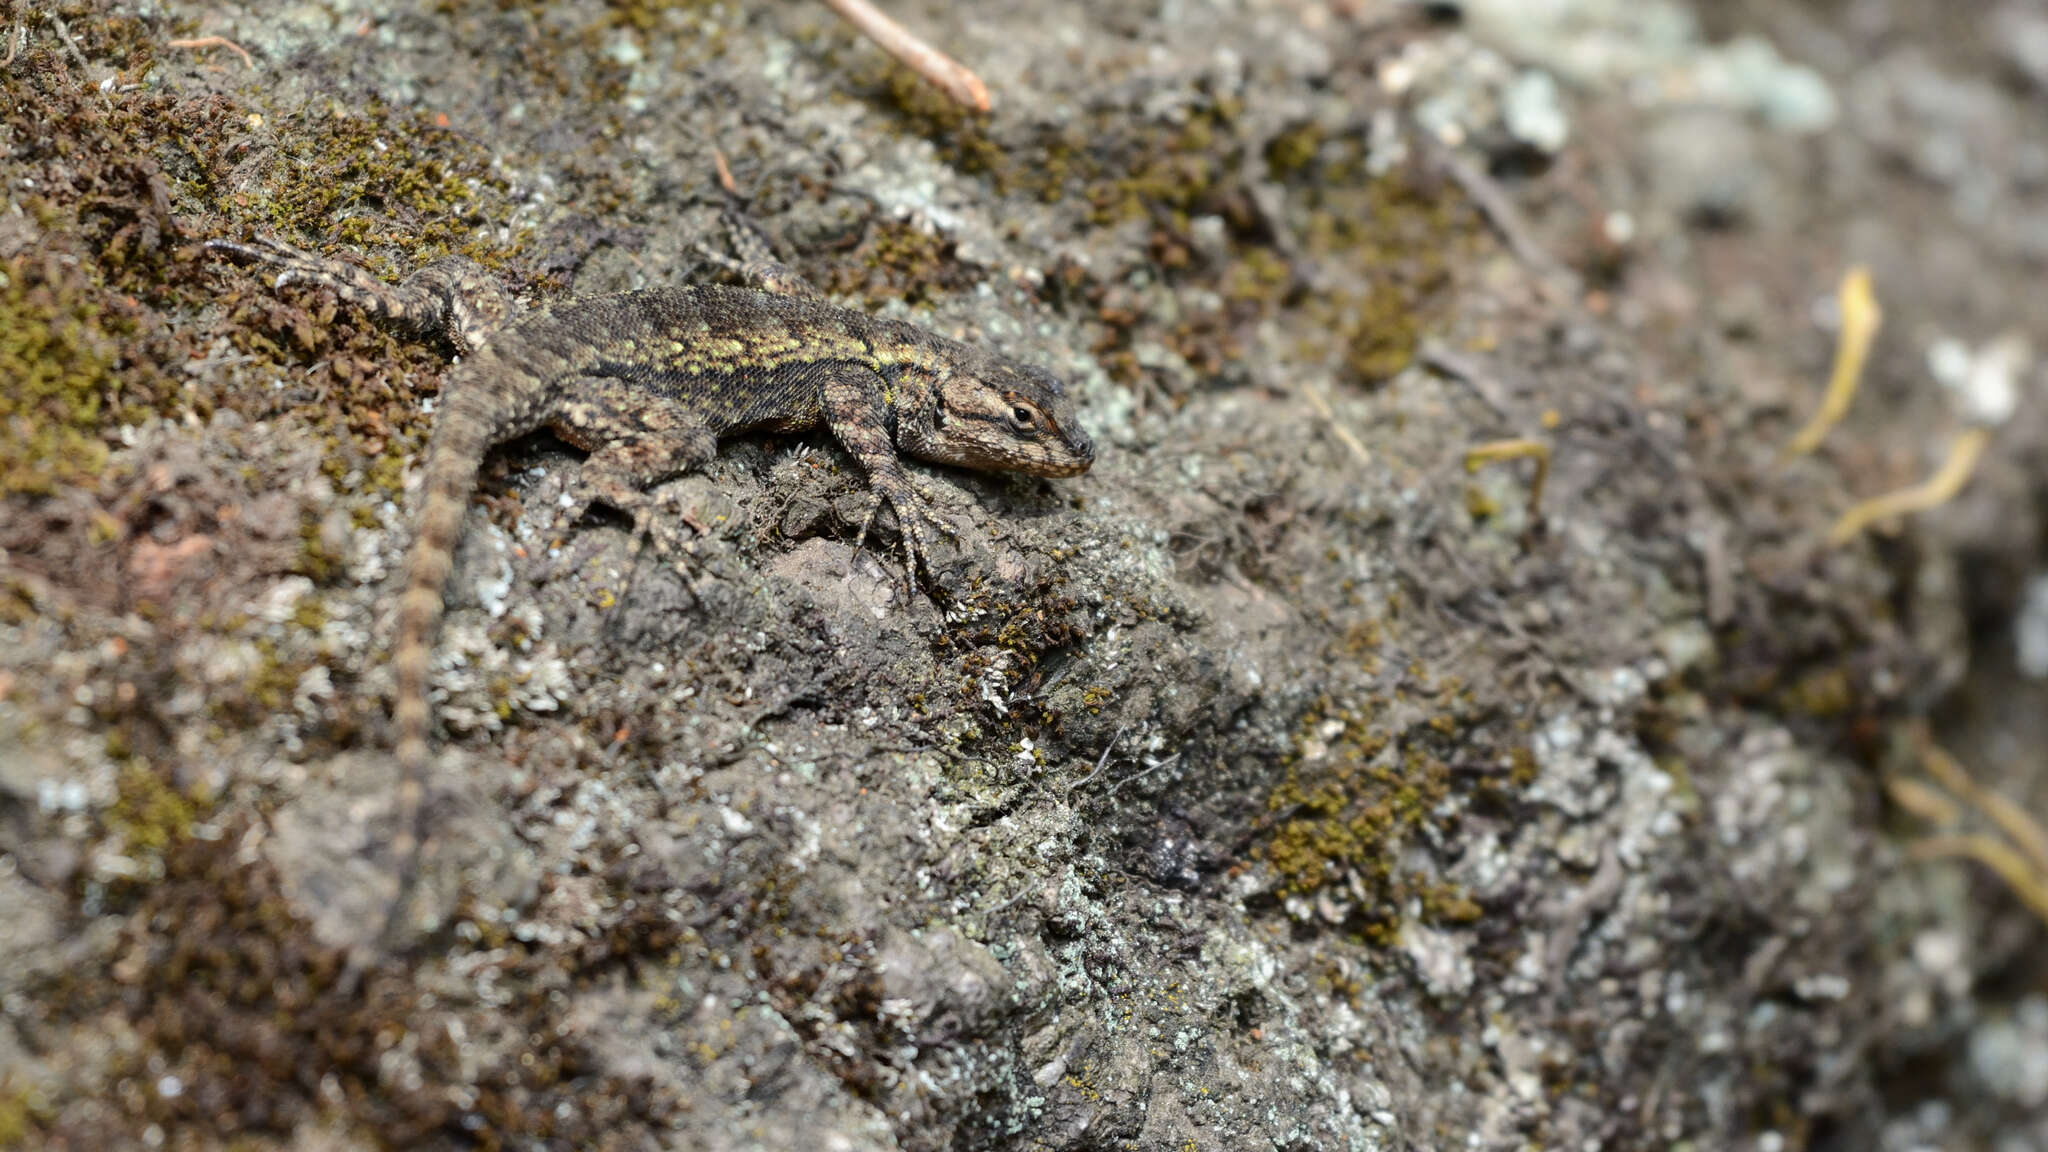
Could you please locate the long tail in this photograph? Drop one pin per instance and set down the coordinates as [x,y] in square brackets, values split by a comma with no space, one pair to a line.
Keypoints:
[463,432]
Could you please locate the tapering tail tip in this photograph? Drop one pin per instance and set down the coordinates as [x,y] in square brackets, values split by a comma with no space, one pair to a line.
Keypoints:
[409,809]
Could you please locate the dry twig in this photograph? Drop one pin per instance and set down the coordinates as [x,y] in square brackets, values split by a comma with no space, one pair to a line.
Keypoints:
[214,42]
[1436,356]
[1498,209]
[2020,859]
[2018,826]
[1939,489]
[1321,403]
[945,73]
[725,179]
[2010,866]
[1861,318]
[1523,448]
[64,34]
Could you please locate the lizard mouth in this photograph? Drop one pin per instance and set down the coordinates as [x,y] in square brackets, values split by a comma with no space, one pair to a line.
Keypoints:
[1056,469]
[1070,455]
[1073,461]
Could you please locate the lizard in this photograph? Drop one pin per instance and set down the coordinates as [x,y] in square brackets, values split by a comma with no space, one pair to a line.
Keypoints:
[647,382]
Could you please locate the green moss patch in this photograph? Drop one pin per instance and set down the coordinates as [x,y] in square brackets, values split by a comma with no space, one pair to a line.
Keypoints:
[1390,237]
[61,344]
[1354,792]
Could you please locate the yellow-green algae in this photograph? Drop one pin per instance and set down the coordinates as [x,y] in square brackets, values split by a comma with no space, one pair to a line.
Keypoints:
[62,386]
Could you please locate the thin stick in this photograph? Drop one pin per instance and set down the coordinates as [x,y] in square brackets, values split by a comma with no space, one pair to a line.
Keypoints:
[1519,449]
[213,42]
[1939,489]
[2018,826]
[1022,891]
[2010,866]
[1099,764]
[64,34]
[1135,776]
[1434,355]
[1861,318]
[1922,800]
[945,73]
[1499,212]
[1314,392]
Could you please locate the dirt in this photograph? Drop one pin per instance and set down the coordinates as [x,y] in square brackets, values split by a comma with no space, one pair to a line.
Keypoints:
[1283,782]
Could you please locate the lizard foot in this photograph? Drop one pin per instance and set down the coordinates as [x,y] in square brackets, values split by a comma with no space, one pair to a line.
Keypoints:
[914,523]
[451,298]
[657,519]
[294,264]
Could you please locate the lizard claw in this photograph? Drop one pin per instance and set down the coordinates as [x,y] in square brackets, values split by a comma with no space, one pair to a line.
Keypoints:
[931,519]
[912,524]
[293,263]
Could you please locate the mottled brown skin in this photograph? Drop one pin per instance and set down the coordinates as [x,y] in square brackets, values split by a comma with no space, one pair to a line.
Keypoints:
[647,382]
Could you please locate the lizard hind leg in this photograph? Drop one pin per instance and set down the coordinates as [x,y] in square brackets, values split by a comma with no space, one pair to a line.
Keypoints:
[636,438]
[453,299]
[754,261]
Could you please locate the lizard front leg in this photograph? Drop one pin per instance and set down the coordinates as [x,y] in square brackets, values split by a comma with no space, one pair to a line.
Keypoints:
[857,412]
[451,299]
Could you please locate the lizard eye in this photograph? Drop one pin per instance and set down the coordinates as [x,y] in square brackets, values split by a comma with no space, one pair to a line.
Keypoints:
[1022,416]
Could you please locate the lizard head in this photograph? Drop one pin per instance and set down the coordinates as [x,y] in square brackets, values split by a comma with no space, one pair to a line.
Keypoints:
[994,414]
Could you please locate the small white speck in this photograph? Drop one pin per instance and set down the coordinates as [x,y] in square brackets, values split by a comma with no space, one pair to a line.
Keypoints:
[1991,389]
[1948,361]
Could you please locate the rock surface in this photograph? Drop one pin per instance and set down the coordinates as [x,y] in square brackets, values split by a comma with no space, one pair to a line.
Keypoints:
[1282,783]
